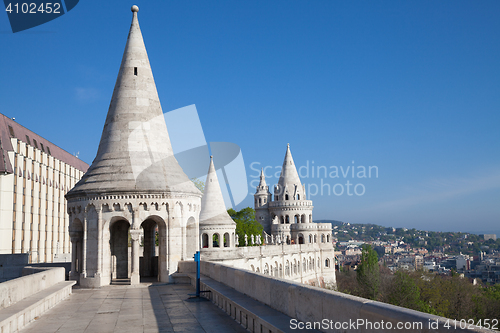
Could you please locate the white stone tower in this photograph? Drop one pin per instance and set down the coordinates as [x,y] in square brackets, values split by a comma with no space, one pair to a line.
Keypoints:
[262,197]
[290,213]
[217,228]
[134,187]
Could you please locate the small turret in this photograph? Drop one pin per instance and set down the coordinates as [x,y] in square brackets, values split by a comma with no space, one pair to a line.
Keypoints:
[261,203]
[217,228]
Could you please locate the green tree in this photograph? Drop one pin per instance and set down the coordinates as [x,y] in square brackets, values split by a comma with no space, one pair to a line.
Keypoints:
[246,224]
[368,274]
[199,184]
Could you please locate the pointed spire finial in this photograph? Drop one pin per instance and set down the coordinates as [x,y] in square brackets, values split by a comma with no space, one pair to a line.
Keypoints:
[134,9]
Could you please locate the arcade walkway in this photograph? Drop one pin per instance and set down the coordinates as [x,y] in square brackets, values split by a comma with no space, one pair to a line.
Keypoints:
[143,308]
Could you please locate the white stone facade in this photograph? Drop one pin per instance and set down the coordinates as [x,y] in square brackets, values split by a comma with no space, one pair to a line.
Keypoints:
[34,177]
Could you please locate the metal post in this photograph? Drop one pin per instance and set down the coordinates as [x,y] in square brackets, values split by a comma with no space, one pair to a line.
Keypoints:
[197,260]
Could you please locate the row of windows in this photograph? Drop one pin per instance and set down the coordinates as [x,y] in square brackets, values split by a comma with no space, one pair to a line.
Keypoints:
[291,269]
[285,219]
[28,141]
[216,241]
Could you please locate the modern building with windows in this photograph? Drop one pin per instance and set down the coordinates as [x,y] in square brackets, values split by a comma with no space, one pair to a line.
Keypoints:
[35,175]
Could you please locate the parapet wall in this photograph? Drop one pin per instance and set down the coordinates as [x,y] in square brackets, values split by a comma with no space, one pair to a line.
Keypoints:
[34,279]
[328,310]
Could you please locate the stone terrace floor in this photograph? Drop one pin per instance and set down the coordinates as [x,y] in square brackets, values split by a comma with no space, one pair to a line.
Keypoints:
[143,308]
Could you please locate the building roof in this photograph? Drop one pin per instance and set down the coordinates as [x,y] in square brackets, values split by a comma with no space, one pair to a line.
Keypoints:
[289,177]
[11,129]
[135,154]
[213,209]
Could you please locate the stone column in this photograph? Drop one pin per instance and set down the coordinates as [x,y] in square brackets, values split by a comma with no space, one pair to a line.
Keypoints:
[135,237]
[99,242]
[73,273]
[84,246]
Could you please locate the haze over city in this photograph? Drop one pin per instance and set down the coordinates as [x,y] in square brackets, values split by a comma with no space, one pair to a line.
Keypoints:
[396,103]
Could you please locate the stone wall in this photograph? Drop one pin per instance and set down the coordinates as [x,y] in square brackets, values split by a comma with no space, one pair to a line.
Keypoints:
[34,279]
[331,311]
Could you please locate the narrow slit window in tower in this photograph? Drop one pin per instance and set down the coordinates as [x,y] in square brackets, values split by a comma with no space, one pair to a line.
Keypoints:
[135,71]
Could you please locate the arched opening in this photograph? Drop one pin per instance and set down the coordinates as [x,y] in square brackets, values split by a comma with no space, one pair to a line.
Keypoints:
[282,219]
[253,268]
[310,218]
[315,239]
[287,219]
[288,240]
[310,238]
[215,239]
[327,263]
[281,271]
[226,239]
[119,242]
[303,218]
[148,263]
[328,238]
[301,239]
[296,219]
[257,270]
[76,234]
[204,241]
[298,196]
[322,238]
[304,265]
[286,196]
[260,201]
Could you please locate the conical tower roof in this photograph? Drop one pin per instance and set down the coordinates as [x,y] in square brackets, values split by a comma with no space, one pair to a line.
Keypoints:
[262,182]
[262,188]
[289,176]
[213,209]
[135,154]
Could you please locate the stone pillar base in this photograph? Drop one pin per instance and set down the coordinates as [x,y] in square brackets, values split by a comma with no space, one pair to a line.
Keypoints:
[90,282]
[135,279]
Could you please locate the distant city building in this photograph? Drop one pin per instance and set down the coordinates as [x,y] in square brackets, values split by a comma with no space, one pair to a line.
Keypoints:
[490,236]
[35,175]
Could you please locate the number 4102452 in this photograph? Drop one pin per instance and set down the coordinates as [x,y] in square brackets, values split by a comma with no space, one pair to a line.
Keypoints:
[33,8]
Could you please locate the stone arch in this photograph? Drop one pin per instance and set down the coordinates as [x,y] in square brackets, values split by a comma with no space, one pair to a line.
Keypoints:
[216,240]
[287,268]
[282,219]
[204,240]
[303,218]
[315,239]
[296,219]
[287,219]
[327,262]
[300,239]
[310,239]
[76,234]
[310,218]
[304,265]
[322,238]
[154,259]
[328,238]
[257,270]
[266,269]
[281,271]
[227,241]
[253,268]
[119,243]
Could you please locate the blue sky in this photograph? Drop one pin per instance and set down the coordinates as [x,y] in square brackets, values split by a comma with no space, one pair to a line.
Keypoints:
[411,87]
